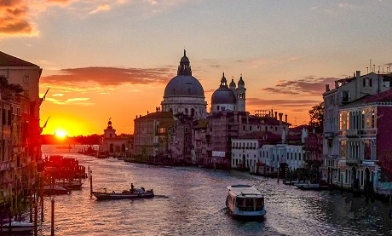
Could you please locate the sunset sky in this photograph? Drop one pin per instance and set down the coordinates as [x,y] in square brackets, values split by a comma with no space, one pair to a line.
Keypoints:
[106,59]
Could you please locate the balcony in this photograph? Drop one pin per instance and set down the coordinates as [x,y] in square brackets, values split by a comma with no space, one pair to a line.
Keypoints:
[352,133]
[352,161]
[329,135]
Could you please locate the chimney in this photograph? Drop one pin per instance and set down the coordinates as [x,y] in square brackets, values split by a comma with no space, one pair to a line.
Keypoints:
[280,118]
[276,115]
[357,74]
[327,88]
[285,118]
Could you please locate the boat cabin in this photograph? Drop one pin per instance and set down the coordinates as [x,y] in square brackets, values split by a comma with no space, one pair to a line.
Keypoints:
[245,200]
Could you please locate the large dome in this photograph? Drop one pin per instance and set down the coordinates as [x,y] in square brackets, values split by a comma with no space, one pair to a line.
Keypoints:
[184,86]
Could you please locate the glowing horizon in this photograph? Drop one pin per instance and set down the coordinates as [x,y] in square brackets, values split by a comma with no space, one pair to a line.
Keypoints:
[105,59]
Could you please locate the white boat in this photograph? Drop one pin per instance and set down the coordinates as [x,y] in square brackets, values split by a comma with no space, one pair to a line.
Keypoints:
[245,201]
[17,226]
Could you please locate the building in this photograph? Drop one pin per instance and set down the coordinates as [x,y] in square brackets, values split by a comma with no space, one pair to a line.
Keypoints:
[151,136]
[113,145]
[345,92]
[20,148]
[364,135]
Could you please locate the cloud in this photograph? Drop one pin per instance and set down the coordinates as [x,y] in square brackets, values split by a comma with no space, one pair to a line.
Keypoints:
[59,1]
[102,7]
[14,18]
[71,101]
[308,86]
[82,78]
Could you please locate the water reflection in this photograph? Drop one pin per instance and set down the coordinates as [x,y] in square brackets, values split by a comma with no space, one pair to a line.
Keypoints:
[190,201]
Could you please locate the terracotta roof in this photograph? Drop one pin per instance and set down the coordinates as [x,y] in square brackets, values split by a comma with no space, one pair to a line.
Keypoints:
[8,60]
[385,96]
[156,115]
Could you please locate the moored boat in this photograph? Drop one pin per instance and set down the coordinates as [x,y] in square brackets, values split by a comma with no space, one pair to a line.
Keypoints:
[54,190]
[310,186]
[17,226]
[104,194]
[245,201]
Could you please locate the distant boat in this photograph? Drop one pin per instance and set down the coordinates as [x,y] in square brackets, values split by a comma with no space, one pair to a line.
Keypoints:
[309,186]
[75,184]
[17,226]
[54,190]
[290,182]
[125,194]
[245,201]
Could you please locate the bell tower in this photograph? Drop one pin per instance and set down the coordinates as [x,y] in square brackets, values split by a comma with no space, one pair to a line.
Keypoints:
[240,92]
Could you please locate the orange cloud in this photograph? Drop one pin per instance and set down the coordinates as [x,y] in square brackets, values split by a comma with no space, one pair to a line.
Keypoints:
[14,18]
[102,7]
[108,76]
[58,1]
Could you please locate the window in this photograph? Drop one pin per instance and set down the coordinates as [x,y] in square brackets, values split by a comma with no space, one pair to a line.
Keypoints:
[345,96]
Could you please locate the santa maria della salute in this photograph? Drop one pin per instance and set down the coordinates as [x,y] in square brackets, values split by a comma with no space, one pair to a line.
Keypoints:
[184,94]
[182,131]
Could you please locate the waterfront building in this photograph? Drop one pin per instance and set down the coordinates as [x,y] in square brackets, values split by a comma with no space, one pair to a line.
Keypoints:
[151,135]
[345,92]
[245,151]
[199,152]
[20,125]
[114,145]
[272,156]
[364,135]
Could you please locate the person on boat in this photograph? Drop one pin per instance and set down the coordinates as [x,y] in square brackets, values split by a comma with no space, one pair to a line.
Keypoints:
[132,187]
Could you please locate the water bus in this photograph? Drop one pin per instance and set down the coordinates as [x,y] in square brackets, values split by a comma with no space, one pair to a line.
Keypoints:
[245,201]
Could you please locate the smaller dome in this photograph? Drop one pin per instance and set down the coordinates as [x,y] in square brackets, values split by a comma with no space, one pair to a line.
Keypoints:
[223,95]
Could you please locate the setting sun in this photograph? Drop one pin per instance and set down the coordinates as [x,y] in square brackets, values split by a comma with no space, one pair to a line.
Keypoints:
[60,134]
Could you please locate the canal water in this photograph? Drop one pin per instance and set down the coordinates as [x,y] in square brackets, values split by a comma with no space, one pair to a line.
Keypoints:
[191,201]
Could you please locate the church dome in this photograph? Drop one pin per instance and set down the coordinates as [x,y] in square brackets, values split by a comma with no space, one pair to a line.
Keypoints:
[184,84]
[223,95]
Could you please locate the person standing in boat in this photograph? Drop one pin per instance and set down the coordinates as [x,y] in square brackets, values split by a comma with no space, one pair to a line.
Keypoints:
[132,187]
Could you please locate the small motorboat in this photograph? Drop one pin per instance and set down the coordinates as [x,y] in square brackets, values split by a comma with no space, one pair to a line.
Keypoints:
[54,190]
[17,226]
[125,194]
